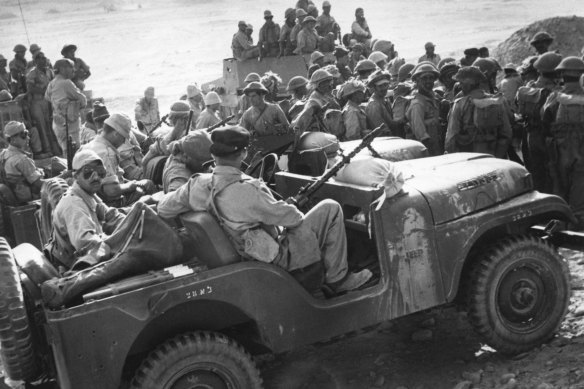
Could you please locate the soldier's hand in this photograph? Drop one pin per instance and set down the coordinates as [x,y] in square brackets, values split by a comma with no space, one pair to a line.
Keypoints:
[146,185]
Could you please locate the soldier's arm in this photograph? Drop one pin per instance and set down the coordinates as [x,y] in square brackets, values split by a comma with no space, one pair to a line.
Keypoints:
[175,203]
[74,94]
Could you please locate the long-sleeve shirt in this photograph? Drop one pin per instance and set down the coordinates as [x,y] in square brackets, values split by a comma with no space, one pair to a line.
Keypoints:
[20,172]
[355,121]
[360,31]
[38,80]
[240,43]
[110,157]
[269,36]
[266,121]
[285,38]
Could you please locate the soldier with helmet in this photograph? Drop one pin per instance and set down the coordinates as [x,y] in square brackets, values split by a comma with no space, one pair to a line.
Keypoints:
[297,86]
[404,73]
[210,115]
[300,16]
[307,40]
[379,59]
[360,29]
[262,118]
[269,36]
[4,75]
[342,63]
[325,23]
[378,110]
[286,46]
[18,70]
[530,100]
[423,113]
[81,70]
[489,67]
[354,116]
[364,68]
[478,122]
[563,118]
[447,71]
[541,42]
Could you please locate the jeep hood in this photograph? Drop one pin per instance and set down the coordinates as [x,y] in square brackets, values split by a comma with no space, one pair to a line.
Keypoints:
[462,183]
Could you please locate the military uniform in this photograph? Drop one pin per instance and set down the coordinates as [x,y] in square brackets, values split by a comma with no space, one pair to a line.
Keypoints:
[175,174]
[268,39]
[355,121]
[241,45]
[244,204]
[479,123]
[285,39]
[20,172]
[269,121]
[307,41]
[110,157]
[435,59]
[88,133]
[207,118]
[325,24]
[379,112]
[361,32]
[81,74]
[147,112]
[18,72]
[423,116]
[67,100]
[37,81]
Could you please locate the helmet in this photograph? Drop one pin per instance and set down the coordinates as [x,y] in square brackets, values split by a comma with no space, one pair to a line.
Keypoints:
[315,56]
[405,71]
[547,62]
[252,77]
[424,67]
[377,76]
[541,36]
[365,65]
[34,47]
[296,82]
[289,12]
[333,70]
[377,56]
[571,66]
[212,98]
[67,48]
[351,87]
[471,72]
[19,48]
[449,68]
[178,107]
[487,65]
[255,86]
[444,61]
[319,76]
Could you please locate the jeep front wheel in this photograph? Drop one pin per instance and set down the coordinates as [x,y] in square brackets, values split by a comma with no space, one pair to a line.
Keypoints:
[519,294]
[198,360]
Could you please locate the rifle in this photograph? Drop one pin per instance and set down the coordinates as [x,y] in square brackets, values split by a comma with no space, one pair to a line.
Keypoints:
[307,191]
[155,127]
[191,112]
[69,142]
[221,123]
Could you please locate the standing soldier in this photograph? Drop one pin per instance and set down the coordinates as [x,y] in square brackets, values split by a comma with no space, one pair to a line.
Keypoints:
[300,16]
[424,111]
[242,45]
[430,55]
[510,84]
[354,116]
[325,23]
[34,48]
[286,47]
[209,116]
[530,101]
[470,55]
[262,118]
[308,39]
[195,100]
[541,42]
[18,71]
[37,81]
[66,100]
[316,62]
[360,29]
[447,71]
[4,75]
[269,35]
[563,117]
[81,70]
[146,110]
[378,109]
[478,122]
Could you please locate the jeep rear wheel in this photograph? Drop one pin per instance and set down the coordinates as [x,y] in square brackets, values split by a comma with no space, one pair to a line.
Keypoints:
[198,360]
[519,294]
[16,345]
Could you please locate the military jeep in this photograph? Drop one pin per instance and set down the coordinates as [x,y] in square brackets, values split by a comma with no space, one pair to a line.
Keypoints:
[460,231]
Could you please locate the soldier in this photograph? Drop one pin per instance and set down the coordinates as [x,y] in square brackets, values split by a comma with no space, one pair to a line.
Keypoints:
[18,71]
[490,67]
[378,110]
[563,119]
[297,86]
[262,118]
[242,45]
[541,42]
[356,55]
[195,100]
[81,70]
[470,55]
[364,69]
[423,113]
[244,102]
[316,62]
[510,83]
[114,188]
[241,204]
[379,59]
[37,81]
[404,74]
[94,122]
[4,75]
[360,29]
[430,55]
[530,100]
[269,35]
[308,39]
[66,100]
[484,52]
[209,116]
[478,122]
[342,63]
[146,110]
[354,116]
[17,169]
[300,16]
[325,23]
[286,46]
[447,71]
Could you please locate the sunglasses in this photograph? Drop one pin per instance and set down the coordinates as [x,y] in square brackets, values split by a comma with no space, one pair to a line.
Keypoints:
[24,134]
[88,171]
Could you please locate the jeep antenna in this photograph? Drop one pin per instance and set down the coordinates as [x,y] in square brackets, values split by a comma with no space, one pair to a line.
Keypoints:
[23,22]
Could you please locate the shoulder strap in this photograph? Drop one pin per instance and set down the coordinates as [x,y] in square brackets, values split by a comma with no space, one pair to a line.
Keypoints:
[260,115]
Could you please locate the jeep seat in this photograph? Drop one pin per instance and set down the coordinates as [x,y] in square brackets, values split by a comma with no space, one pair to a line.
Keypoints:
[33,263]
[214,248]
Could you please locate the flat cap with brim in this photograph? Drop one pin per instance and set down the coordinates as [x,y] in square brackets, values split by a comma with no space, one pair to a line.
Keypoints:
[296,82]
[13,128]
[255,86]
[379,77]
[67,48]
[308,19]
[100,111]
[85,157]
[121,123]
[229,140]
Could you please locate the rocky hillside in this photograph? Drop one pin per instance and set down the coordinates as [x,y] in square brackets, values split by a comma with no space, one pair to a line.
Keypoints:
[568,33]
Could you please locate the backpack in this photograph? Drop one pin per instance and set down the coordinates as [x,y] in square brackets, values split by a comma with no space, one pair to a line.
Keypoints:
[568,129]
[529,103]
[487,119]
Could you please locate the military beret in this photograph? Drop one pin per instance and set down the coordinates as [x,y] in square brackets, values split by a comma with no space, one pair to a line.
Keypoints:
[229,140]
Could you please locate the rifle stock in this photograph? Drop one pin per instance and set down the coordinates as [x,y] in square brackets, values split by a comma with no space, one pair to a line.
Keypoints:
[307,191]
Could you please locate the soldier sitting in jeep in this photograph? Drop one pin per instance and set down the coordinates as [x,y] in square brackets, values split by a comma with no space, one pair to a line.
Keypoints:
[249,215]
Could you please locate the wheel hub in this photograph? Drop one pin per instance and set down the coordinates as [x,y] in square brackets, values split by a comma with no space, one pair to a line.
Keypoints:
[200,379]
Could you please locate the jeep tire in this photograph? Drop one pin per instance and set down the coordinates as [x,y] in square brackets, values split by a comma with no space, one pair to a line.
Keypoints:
[198,360]
[519,294]
[16,344]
